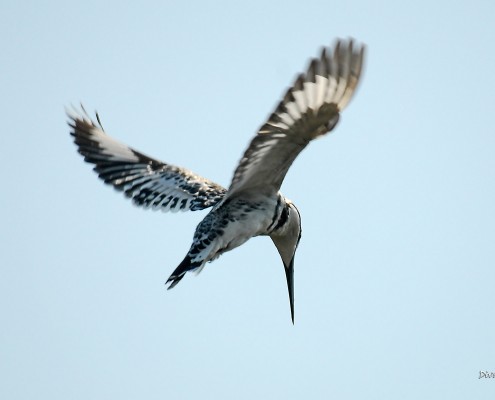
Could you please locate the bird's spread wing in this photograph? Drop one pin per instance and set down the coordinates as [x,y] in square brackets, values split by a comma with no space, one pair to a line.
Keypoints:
[310,108]
[149,182]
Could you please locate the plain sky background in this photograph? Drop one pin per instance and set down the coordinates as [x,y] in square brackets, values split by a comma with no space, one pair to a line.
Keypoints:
[394,276]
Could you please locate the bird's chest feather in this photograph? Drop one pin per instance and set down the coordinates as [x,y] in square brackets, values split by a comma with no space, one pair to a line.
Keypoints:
[232,224]
[243,217]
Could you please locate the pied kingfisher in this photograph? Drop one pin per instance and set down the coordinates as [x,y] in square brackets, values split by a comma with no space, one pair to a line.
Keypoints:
[252,205]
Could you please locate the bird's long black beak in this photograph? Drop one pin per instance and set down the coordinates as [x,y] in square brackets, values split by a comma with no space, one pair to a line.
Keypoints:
[289,274]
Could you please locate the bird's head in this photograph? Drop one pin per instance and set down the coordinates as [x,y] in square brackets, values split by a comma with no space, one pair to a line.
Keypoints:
[286,239]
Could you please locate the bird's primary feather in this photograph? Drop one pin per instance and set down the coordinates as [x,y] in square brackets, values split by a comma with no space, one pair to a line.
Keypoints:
[147,181]
[310,108]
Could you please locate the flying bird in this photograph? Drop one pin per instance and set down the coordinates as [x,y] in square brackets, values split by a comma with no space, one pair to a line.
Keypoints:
[252,205]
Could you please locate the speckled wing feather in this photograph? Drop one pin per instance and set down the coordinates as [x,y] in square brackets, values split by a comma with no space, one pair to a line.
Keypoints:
[310,108]
[149,182]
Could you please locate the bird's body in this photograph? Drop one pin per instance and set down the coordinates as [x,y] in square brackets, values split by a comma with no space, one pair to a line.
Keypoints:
[230,224]
[252,205]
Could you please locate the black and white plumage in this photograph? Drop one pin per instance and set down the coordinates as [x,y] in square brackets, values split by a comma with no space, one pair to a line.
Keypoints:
[252,205]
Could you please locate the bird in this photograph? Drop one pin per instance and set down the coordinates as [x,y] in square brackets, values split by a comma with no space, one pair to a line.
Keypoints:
[252,205]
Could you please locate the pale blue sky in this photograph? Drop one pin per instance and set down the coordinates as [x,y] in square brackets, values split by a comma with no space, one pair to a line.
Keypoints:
[394,276]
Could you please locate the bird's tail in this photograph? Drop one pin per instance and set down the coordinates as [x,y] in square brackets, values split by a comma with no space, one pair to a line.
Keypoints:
[185,266]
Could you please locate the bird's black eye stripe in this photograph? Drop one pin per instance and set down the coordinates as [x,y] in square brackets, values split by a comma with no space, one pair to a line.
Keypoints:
[283,218]
[275,214]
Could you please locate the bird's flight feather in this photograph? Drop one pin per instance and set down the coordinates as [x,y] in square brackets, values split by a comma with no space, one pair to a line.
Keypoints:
[310,108]
[149,182]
